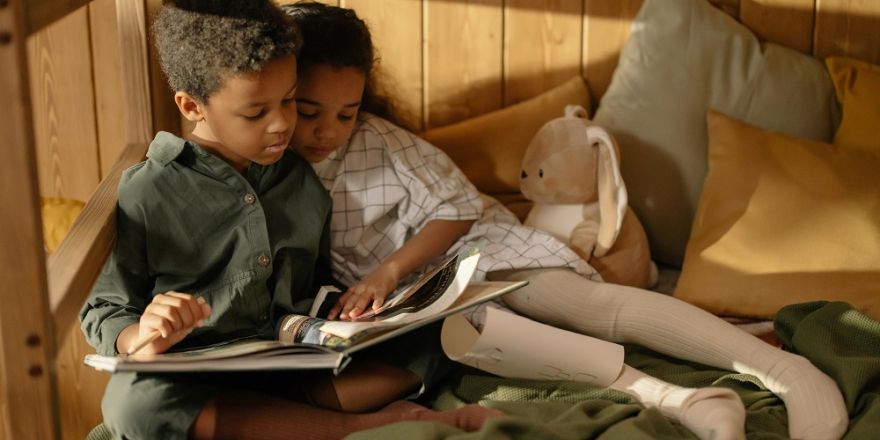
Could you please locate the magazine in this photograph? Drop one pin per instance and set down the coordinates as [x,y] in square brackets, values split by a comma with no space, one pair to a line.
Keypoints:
[309,342]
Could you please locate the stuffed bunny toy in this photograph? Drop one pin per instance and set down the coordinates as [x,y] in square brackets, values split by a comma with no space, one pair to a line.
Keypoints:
[571,172]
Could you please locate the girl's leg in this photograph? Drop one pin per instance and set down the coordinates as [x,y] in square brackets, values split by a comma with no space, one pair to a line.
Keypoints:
[710,413]
[617,313]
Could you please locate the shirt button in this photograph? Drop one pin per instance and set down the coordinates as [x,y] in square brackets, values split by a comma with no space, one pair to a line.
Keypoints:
[263,260]
[264,317]
[250,199]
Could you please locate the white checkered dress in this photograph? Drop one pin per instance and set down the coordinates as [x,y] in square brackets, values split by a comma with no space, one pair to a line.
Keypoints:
[387,184]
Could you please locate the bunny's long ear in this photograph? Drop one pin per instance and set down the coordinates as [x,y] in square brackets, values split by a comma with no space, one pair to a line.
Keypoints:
[612,192]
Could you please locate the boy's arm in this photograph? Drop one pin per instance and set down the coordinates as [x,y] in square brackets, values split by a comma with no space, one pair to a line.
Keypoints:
[428,244]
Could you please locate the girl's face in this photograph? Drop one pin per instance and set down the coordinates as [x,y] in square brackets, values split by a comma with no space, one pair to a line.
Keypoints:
[327,101]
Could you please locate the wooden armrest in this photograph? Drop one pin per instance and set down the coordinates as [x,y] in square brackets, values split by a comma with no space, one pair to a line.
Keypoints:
[74,266]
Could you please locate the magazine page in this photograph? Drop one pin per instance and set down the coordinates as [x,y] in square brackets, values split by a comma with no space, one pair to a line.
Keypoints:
[432,297]
[512,346]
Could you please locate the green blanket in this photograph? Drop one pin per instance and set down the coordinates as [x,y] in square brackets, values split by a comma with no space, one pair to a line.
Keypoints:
[839,340]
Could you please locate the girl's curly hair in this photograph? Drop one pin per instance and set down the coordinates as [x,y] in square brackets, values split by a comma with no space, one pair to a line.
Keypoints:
[200,42]
[337,37]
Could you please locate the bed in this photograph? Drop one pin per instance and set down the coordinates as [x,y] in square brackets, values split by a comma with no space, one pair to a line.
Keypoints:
[460,67]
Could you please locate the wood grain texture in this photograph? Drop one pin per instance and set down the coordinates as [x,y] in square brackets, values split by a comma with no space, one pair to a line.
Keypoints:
[41,13]
[62,95]
[166,116]
[26,344]
[396,27]
[785,22]
[848,28]
[463,60]
[606,29]
[131,22]
[542,46]
[107,71]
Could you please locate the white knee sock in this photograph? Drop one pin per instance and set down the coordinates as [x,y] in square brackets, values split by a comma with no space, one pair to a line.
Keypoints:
[710,413]
[617,313]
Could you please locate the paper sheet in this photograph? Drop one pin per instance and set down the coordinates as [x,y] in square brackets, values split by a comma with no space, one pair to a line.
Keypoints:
[517,347]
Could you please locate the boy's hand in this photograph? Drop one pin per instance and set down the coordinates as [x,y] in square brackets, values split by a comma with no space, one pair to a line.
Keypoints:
[374,288]
[174,315]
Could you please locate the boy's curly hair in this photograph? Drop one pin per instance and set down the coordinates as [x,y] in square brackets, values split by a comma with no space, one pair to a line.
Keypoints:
[200,42]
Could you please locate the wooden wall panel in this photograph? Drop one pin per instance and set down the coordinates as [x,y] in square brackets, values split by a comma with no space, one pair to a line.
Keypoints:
[107,68]
[396,27]
[542,46]
[606,29]
[463,69]
[786,22]
[62,95]
[848,28]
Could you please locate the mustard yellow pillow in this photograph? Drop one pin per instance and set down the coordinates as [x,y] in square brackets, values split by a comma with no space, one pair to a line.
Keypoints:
[857,85]
[782,220]
[489,148]
[58,216]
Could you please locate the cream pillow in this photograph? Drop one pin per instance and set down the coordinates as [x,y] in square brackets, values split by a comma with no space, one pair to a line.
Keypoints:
[489,148]
[782,220]
[683,57]
[857,85]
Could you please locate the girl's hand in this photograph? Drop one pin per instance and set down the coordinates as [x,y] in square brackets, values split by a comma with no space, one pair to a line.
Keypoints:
[374,288]
[174,315]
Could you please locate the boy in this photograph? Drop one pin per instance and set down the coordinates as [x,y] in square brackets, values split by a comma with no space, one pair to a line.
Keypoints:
[220,234]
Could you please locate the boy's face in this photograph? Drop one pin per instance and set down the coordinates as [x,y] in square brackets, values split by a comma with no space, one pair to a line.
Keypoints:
[252,117]
[327,99]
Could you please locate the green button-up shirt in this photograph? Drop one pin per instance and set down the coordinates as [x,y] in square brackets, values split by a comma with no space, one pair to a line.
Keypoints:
[254,245]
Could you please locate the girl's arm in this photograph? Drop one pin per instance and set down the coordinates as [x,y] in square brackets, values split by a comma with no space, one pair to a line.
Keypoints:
[428,244]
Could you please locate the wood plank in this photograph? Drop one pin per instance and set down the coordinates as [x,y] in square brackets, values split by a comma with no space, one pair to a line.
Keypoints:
[848,28]
[166,116]
[107,67]
[26,344]
[131,22]
[606,29]
[62,96]
[74,266]
[80,388]
[40,14]
[542,46]
[396,28]
[785,22]
[463,60]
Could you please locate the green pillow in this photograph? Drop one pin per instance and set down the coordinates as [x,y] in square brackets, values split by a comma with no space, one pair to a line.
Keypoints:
[682,58]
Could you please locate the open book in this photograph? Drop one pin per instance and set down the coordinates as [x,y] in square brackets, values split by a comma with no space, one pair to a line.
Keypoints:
[308,342]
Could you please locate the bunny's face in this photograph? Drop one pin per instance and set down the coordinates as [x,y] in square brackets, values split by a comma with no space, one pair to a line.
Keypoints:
[560,166]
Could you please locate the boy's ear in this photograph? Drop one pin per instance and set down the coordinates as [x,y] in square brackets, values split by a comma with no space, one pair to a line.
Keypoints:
[189,107]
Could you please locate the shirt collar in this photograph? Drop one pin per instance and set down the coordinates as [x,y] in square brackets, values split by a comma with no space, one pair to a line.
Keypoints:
[165,148]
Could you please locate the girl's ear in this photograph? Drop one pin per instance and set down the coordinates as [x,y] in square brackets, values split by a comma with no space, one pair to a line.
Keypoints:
[189,107]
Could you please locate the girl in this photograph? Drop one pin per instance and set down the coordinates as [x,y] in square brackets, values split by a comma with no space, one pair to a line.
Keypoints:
[399,204]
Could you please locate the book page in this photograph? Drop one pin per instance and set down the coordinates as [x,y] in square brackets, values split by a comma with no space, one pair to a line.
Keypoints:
[517,347]
[437,300]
